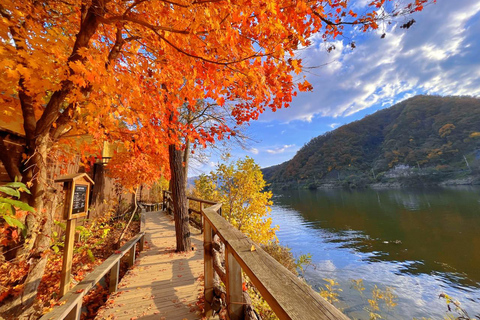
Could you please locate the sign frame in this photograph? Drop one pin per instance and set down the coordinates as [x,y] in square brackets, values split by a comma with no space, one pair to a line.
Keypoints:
[71,182]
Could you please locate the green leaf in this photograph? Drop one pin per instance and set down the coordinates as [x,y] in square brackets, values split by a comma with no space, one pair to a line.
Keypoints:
[5,207]
[19,204]
[61,225]
[12,221]
[90,255]
[80,228]
[56,249]
[10,191]
[16,185]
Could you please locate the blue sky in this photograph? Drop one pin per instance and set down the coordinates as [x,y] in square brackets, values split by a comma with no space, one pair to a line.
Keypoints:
[439,54]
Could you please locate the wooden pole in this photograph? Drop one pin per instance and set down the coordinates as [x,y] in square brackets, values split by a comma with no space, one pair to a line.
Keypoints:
[201,217]
[208,268]
[234,287]
[131,256]
[75,312]
[141,243]
[67,257]
[114,275]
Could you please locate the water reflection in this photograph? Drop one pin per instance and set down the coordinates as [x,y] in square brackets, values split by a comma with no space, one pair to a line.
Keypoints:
[425,241]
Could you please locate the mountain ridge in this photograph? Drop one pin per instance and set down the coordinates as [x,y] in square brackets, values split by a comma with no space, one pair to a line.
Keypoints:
[430,134]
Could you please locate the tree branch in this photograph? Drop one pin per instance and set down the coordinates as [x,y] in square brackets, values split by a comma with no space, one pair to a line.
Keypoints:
[87,30]
[7,160]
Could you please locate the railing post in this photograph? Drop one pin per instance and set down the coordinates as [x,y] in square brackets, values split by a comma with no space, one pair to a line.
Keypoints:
[75,313]
[201,217]
[233,286]
[114,274]
[164,206]
[67,257]
[141,243]
[208,268]
[131,256]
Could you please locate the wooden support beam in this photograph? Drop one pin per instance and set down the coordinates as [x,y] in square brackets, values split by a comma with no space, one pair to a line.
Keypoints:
[141,243]
[208,268]
[74,296]
[67,257]
[201,217]
[75,312]
[289,297]
[131,256]
[234,287]
[114,275]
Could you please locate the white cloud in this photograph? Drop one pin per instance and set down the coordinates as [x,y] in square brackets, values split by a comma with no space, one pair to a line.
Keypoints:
[333,125]
[280,149]
[254,150]
[437,55]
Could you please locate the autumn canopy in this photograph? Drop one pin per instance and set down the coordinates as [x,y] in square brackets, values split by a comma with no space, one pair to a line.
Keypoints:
[122,70]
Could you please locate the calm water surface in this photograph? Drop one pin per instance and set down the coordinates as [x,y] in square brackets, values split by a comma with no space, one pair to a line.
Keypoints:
[419,242]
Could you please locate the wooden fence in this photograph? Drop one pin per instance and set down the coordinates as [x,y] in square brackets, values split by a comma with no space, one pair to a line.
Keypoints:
[70,305]
[195,211]
[287,295]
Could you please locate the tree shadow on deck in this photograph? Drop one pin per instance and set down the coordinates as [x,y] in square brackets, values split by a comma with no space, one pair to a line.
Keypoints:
[170,282]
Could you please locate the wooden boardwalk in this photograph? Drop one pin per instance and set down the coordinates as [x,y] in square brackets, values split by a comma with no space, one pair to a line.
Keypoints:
[163,285]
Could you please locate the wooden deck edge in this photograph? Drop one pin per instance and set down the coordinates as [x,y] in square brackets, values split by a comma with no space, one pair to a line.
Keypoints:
[288,296]
[73,297]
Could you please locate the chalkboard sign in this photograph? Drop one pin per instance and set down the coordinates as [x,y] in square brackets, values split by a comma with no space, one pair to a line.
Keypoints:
[77,190]
[79,198]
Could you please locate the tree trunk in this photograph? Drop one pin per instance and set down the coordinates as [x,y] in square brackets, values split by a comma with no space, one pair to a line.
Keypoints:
[39,226]
[179,196]
[186,161]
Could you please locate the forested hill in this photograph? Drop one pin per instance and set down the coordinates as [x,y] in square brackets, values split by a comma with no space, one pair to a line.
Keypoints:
[427,138]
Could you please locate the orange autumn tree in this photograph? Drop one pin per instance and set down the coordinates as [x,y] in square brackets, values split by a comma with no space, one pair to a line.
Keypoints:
[133,170]
[93,65]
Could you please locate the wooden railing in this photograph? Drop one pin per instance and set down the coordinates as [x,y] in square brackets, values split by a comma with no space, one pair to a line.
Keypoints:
[70,306]
[168,206]
[155,206]
[287,295]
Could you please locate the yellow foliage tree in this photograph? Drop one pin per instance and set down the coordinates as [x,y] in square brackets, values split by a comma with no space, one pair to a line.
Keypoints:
[240,187]
[446,130]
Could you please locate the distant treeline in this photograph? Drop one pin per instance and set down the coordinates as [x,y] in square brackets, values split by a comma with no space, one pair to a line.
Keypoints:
[422,140]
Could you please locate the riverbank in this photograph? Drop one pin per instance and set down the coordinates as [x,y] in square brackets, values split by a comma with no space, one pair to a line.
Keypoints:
[382,181]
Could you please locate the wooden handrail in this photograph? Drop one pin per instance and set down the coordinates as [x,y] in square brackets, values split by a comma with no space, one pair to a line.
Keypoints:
[169,194]
[70,305]
[287,295]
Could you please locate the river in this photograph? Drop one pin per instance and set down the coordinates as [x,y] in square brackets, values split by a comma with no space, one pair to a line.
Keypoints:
[419,242]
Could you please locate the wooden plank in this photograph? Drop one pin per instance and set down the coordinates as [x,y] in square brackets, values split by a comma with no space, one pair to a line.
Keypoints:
[67,257]
[113,279]
[168,194]
[163,283]
[131,256]
[233,286]
[270,277]
[141,243]
[76,312]
[201,212]
[195,211]
[208,267]
[75,295]
[203,200]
